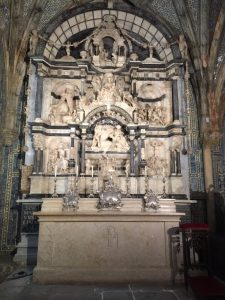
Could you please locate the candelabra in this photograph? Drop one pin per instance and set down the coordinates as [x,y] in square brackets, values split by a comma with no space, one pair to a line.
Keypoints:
[71,198]
[164,195]
[91,195]
[55,195]
[146,184]
[76,184]
[128,187]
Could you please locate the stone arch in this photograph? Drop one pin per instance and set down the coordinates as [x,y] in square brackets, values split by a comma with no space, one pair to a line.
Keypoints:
[115,112]
[92,19]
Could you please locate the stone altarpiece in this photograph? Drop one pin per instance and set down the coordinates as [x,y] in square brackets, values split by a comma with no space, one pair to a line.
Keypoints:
[101,112]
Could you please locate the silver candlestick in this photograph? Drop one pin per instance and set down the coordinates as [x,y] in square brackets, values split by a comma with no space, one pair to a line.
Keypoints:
[91,195]
[164,195]
[55,195]
[146,184]
[128,187]
[76,184]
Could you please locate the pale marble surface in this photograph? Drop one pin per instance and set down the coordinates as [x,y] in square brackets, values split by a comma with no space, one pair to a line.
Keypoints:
[45,184]
[103,246]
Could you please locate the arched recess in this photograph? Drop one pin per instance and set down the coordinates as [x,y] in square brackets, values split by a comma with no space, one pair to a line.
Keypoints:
[88,17]
[114,112]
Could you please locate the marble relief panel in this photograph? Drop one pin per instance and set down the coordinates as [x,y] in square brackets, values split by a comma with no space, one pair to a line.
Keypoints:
[60,98]
[158,109]
[57,154]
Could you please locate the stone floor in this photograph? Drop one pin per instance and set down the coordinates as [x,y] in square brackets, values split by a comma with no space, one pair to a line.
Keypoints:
[19,286]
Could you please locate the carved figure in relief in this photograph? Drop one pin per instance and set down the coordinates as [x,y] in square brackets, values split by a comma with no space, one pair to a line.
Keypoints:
[175,165]
[63,111]
[119,141]
[128,99]
[52,157]
[156,165]
[107,138]
[33,41]
[155,114]
[62,158]
[106,45]
[96,83]
[109,93]
[58,158]
[141,115]
[183,46]
[96,140]
[90,95]
[120,84]
[133,57]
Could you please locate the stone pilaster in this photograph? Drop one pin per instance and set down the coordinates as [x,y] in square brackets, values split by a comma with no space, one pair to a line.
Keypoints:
[175,100]
[132,171]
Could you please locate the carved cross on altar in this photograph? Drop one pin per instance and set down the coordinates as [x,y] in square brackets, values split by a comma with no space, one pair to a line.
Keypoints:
[111,236]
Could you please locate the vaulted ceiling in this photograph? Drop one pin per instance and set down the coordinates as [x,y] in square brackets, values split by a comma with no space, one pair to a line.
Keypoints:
[202,22]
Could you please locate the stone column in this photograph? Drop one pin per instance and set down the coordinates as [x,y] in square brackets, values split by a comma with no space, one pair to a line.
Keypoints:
[72,142]
[38,161]
[132,129]
[35,162]
[175,101]
[178,162]
[82,163]
[134,87]
[132,156]
[139,155]
[82,86]
[83,128]
[143,135]
[38,104]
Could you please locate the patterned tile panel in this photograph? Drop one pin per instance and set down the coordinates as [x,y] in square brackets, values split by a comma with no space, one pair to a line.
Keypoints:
[195,155]
[166,10]
[218,155]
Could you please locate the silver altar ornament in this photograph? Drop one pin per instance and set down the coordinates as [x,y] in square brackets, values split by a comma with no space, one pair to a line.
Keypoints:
[110,197]
[151,201]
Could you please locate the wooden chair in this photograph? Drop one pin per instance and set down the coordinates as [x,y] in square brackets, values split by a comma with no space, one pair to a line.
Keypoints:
[196,256]
[195,248]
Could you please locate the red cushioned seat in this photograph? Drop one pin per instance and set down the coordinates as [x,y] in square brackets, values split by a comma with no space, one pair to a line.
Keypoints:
[201,226]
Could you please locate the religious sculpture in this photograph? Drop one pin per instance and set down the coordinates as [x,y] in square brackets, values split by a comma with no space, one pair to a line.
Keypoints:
[109,138]
[175,166]
[63,110]
[183,46]
[155,114]
[102,107]
[58,158]
[107,46]
[33,41]
[156,165]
